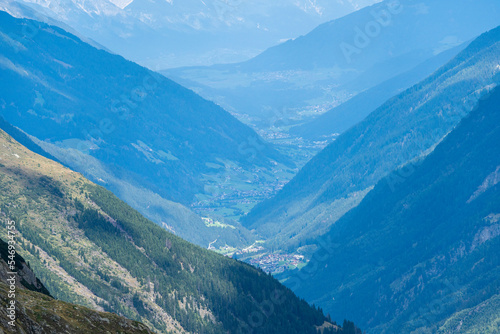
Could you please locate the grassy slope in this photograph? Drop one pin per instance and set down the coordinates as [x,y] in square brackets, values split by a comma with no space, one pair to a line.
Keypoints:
[92,249]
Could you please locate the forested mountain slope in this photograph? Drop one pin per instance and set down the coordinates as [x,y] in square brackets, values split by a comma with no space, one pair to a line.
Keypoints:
[420,254]
[37,312]
[148,126]
[92,249]
[137,133]
[402,129]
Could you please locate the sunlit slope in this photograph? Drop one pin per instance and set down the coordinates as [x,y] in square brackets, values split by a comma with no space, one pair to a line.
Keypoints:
[90,248]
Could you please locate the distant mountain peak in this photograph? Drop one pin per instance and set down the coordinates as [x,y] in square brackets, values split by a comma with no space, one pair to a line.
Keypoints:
[167,33]
[121,3]
[69,8]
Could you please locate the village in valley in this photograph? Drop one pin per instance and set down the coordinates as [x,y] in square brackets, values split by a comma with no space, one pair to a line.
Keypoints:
[258,256]
[276,263]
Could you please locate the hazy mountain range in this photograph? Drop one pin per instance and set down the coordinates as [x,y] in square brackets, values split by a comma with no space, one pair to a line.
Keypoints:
[393,223]
[302,78]
[162,34]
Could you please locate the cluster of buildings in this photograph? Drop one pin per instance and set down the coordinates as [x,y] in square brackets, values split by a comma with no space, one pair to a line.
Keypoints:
[277,263]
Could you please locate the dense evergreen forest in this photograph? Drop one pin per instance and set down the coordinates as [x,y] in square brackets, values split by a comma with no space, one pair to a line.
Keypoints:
[90,248]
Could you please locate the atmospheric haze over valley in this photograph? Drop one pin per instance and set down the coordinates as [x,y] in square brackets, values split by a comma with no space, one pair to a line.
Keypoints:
[250,166]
